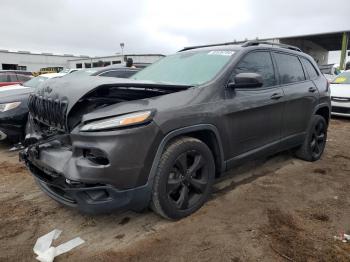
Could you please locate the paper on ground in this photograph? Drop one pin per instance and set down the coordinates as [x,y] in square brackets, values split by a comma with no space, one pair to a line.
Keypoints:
[47,253]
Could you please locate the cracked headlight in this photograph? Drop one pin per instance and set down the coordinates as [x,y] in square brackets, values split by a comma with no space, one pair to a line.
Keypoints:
[117,121]
[8,106]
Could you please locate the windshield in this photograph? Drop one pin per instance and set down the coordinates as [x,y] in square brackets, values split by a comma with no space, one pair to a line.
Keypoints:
[343,78]
[188,68]
[35,82]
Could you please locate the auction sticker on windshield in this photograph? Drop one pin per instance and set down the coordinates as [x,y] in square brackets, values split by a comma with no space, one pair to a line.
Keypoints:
[222,52]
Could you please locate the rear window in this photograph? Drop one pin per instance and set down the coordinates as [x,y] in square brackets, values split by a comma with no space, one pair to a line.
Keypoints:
[119,73]
[23,78]
[289,68]
[310,69]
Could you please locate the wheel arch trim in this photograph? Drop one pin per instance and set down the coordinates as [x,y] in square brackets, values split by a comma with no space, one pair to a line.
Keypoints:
[323,105]
[179,132]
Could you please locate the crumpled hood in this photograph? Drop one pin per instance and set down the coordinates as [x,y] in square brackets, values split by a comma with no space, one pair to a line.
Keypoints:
[340,90]
[72,89]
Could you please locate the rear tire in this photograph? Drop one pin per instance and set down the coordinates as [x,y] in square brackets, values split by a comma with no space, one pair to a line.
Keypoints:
[183,179]
[315,140]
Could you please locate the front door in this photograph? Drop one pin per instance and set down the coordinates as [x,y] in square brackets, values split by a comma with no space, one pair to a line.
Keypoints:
[254,115]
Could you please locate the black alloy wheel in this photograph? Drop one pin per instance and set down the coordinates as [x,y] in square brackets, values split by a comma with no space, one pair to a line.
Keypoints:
[188,179]
[318,139]
[184,178]
[315,140]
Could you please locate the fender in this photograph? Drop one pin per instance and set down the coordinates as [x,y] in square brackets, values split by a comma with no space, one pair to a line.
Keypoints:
[183,131]
[323,105]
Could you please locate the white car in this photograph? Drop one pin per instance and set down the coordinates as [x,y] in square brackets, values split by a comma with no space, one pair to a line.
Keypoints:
[32,83]
[340,94]
[69,70]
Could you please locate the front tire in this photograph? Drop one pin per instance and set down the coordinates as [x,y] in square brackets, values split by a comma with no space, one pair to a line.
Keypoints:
[315,140]
[184,178]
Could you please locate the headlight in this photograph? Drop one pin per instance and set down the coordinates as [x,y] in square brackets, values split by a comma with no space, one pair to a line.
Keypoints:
[117,121]
[8,106]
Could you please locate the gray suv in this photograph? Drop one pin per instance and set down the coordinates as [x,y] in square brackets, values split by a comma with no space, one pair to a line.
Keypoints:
[160,138]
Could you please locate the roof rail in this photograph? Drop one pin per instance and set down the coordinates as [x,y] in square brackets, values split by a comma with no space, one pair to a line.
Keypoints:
[200,46]
[254,43]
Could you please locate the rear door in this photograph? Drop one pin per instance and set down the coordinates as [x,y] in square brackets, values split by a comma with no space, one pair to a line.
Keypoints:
[254,115]
[301,96]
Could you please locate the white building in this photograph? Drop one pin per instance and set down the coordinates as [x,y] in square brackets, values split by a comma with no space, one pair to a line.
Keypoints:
[25,60]
[88,62]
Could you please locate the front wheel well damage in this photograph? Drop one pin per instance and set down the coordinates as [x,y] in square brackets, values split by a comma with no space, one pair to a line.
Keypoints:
[209,138]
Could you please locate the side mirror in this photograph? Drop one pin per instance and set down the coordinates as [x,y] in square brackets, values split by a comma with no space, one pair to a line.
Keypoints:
[246,80]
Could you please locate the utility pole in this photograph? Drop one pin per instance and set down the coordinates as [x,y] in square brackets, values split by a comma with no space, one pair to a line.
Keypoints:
[344,47]
[122,47]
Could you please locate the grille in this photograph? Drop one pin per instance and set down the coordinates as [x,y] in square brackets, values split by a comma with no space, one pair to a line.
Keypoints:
[341,110]
[51,112]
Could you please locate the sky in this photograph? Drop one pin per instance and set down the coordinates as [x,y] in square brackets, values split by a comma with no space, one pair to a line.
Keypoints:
[96,28]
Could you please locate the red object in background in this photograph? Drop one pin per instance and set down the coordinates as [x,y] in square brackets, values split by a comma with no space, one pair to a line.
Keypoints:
[13,77]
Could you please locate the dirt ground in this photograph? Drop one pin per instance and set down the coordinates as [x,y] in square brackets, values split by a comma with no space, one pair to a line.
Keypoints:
[275,209]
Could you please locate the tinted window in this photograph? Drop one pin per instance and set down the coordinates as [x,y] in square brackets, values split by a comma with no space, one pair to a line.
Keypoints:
[260,63]
[4,78]
[118,73]
[310,68]
[23,78]
[13,78]
[289,68]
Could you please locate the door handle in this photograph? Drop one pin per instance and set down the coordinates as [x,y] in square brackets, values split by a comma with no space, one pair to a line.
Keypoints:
[276,96]
[312,89]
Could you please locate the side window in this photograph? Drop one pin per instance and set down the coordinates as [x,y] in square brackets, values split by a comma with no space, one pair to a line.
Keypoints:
[4,78]
[310,69]
[260,63]
[289,68]
[13,78]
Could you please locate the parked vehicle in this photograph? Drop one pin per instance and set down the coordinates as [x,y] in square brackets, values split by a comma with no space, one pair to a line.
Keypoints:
[48,70]
[12,77]
[69,70]
[340,94]
[160,138]
[108,71]
[330,71]
[14,107]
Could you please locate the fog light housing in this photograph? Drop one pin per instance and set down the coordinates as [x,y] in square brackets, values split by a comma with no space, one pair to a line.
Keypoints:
[96,156]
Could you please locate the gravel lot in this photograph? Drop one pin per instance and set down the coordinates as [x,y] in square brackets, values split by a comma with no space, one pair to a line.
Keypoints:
[275,209]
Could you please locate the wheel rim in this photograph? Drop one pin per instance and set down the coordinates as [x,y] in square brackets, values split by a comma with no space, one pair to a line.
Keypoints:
[318,140]
[188,180]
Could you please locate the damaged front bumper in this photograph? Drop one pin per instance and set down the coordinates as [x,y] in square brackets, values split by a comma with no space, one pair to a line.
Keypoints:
[96,172]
